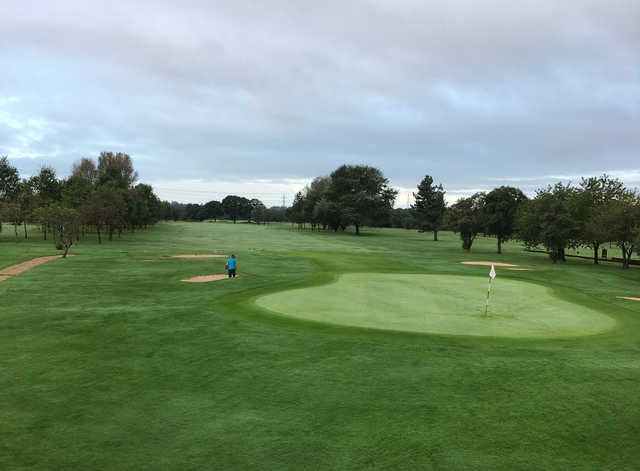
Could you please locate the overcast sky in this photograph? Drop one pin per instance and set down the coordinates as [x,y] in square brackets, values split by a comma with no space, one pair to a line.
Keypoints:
[258,97]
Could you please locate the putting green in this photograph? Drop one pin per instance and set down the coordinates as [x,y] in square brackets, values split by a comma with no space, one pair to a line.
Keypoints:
[442,304]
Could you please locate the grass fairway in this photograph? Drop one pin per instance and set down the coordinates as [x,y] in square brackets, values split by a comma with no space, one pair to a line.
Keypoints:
[442,304]
[109,362]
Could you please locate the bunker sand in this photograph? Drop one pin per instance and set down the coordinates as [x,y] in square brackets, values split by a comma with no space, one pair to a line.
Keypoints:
[628,298]
[19,268]
[205,278]
[488,264]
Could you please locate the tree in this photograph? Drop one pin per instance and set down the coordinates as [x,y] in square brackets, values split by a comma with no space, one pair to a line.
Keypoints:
[430,206]
[548,219]
[595,194]
[500,209]
[361,193]
[258,213]
[85,168]
[236,207]
[622,217]
[253,204]
[117,168]
[295,213]
[76,191]
[9,182]
[213,210]
[65,226]
[466,218]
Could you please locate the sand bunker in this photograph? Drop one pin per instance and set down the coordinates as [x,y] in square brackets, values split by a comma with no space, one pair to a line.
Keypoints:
[488,264]
[24,266]
[198,256]
[205,278]
[629,298]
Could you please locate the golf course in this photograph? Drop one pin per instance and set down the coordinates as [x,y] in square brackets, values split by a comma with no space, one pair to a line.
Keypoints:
[328,351]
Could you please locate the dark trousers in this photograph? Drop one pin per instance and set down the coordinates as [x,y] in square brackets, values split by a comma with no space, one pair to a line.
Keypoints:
[232,273]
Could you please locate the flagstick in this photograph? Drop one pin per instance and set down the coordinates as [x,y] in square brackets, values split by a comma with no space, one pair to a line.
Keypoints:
[486,306]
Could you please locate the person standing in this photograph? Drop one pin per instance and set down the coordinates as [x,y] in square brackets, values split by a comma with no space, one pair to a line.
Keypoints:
[231,266]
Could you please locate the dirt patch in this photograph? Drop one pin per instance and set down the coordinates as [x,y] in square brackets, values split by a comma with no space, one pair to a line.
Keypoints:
[488,264]
[24,266]
[629,298]
[198,256]
[205,278]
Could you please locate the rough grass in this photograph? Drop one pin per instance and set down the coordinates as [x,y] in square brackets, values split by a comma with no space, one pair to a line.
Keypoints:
[109,362]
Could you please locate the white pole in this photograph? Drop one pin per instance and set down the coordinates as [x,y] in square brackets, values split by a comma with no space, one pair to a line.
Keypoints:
[486,306]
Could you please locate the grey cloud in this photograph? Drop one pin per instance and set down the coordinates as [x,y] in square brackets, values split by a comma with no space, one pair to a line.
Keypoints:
[467,91]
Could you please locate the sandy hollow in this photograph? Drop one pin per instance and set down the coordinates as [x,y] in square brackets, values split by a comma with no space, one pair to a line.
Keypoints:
[488,264]
[629,298]
[205,278]
[24,266]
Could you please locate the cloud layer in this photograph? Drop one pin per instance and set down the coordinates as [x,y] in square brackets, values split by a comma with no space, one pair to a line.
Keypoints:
[475,93]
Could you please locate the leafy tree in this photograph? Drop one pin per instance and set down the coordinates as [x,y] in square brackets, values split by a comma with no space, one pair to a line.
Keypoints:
[548,220]
[466,218]
[9,180]
[596,193]
[65,226]
[500,209]
[253,204]
[116,168]
[258,213]
[85,168]
[622,217]
[213,210]
[236,207]
[76,191]
[313,194]
[46,186]
[430,206]
[361,193]
[295,213]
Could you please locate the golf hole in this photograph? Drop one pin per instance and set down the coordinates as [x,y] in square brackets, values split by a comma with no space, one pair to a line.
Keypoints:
[441,304]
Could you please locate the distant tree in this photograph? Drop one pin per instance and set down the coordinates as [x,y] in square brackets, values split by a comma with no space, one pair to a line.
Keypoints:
[213,210]
[313,194]
[275,214]
[86,168]
[236,207]
[9,183]
[500,209]
[65,226]
[622,217]
[430,206]
[258,213]
[116,168]
[46,186]
[362,194]
[295,213]
[253,203]
[466,218]
[595,194]
[194,212]
[76,191]
[548,220]
[9,180]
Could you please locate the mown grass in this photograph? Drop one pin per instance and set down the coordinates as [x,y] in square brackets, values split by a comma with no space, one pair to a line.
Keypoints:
[107,361]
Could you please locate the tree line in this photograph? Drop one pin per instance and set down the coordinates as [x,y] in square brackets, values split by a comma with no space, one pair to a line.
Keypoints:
[597,211]
[232,207]
[100,196]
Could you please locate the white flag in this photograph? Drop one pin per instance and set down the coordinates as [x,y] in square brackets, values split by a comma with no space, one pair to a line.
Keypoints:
[492,273]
